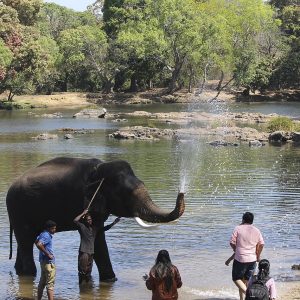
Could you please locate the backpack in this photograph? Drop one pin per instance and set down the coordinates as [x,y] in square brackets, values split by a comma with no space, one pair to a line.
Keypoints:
[258,290]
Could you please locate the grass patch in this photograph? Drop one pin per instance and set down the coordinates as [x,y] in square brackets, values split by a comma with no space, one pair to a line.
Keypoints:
[283,123]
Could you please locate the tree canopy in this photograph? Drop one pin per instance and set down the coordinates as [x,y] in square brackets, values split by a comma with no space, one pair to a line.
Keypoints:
[139,44]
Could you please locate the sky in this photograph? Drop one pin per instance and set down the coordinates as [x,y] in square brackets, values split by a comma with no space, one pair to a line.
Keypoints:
[78,5]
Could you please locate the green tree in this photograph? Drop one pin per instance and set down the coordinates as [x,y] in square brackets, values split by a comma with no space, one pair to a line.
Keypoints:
[5,59]
[287,71]
[27,10]
[32,56]
[85,51]
[53,19]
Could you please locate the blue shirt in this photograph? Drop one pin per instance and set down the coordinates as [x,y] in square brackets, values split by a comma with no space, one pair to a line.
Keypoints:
[45,238]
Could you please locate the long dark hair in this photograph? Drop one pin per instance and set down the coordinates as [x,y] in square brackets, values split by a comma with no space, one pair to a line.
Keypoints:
[163,268]
[263,269]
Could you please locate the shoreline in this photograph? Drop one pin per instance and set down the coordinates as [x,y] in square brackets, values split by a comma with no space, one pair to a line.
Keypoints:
[77,99]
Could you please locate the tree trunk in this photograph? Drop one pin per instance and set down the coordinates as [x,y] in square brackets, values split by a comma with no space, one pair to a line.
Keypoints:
[204,80]
[220,90]
[133,83]
[220,82]
[191,78]
[150,84]
[174,79]
[119,81]
[10,96]
[108,87]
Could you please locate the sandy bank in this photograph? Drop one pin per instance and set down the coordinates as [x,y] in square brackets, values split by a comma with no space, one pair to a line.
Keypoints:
[55,100]
[288,290]
[156,95]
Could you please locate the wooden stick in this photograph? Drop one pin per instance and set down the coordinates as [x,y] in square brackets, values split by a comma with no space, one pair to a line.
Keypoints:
[95,193]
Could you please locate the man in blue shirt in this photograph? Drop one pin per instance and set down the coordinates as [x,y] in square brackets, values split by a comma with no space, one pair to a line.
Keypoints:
[47,260]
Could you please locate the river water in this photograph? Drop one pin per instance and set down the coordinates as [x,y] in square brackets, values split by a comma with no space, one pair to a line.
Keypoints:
[223,182]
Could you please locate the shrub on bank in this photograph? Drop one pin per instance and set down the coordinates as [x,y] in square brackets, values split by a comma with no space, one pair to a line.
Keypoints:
[281,123]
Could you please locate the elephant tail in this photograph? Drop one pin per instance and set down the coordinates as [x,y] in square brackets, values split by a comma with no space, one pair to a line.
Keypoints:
[10,241]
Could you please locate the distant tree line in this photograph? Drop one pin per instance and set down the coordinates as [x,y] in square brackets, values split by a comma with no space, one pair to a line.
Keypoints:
[134,45]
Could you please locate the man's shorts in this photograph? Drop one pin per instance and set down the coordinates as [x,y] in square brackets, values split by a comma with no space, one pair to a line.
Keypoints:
[48,272]
[242,270]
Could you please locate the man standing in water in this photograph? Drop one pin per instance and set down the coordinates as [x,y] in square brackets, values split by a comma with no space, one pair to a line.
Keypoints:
[88,234]
[247,243]
[47,260]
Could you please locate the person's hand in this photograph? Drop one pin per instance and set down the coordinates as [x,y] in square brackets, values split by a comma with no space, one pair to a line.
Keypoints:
[227,262]
[145,277]
[85,212]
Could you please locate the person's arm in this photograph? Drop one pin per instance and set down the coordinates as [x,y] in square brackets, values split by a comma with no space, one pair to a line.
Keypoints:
[41,247]
[227,262]
[76,220]
[272,289]
[109,226]
[150,282]
[177,278]
[259,248]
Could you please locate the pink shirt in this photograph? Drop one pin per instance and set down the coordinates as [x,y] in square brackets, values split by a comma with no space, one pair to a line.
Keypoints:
[270,284]
[245,237]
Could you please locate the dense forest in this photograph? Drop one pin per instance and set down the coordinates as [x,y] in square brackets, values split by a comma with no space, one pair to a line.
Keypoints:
[135,45]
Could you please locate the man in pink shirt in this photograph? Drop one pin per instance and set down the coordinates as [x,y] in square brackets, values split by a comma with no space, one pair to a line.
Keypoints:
[247,244]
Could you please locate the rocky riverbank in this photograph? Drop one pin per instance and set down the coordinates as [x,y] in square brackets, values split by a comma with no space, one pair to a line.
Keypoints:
[227,129]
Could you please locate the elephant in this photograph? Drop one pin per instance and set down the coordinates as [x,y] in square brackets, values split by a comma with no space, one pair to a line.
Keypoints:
[59,189]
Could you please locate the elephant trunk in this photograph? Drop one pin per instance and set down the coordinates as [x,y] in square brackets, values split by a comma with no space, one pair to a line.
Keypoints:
[149,212]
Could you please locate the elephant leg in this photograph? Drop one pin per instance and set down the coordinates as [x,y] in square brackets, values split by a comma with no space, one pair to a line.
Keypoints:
[24,262]
[102,259]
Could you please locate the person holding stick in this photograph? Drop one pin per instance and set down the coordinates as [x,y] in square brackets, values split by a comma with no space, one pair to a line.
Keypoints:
[88,234]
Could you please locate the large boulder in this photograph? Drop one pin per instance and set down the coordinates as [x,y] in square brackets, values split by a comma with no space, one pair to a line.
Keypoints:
[295,137]
[91,113]
[279,136]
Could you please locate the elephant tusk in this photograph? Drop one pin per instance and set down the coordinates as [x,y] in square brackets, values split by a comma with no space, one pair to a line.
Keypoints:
[144,225]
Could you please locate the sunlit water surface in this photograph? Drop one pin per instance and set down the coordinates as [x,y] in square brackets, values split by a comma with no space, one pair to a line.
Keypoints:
[220,184]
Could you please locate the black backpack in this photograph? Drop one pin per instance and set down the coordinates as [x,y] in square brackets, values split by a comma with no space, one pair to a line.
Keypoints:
[258,290]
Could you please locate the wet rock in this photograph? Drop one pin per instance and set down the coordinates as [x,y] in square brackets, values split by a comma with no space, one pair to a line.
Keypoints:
[122,135]
[51,116]
[68,136]
[91,113]
[76,131]
[295,136]
[279,136]
[240,133]
[256,143]
[296,267]
[219,143]
[120,120]
[142,133]
[45,136]
[251,117]
[140,113]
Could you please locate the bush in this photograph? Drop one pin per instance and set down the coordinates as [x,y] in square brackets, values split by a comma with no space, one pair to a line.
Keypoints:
[281,123]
